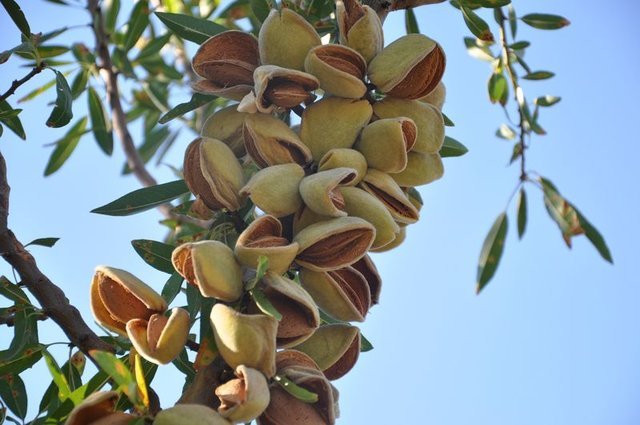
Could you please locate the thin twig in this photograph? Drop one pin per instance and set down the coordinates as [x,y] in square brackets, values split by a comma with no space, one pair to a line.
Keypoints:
[52,299]
[17,83]
[119,117]
[522,132]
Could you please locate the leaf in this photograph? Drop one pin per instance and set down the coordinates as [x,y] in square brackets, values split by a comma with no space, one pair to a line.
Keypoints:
[79,83]
[522,102]
[539,75]
[491,251]
[65,147]
[447,121]
[410,22]
[144,199]
[506,132]
[451,147]
[153,141]
[520,45]
[137,23]
[156,254]
[38,91]
[141,381]
[478,50]
[197,100]
[263,303]
[522,213]
[172,287]
[24,47]
[111,9]
[544,21]
[295,390]
[120,373]
[263,265]
[493,3]
[48,242]
[260,9]
[476,24]
[513,21]
[18,18]
[24,359]
[498,89]
[64,391]
[13,291]
[14,394]
[547,100]
[101,132]
[62,113]
[152,47]
[12,122]
[190,28]
[365,344]
[594,236]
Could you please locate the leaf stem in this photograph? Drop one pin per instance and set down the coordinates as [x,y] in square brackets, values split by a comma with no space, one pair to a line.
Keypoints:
[17,83]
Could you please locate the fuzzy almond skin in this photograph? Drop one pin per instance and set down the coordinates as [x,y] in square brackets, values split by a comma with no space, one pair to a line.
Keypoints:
[383,187]
[245,398]
[285,38]
[321,131]
[421,169]
[360,28]
[385,142]
[275,189]
[319,191]
[160,340]
[344,157]
[226,126]
[189,414]
[339,69]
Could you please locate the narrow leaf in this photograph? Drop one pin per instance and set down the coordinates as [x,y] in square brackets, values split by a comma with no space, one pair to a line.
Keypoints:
[101,131]
[64,391]
[197,100]
[513,21]
[144,199]
[154,46]
[547,100]
[138,21]
[506,132]
[491,251]
[478,50]
[447,121]
[24,359]
[595,237]
[65,147]
[476,24]
[62,113]
[544,21]
[451,147]
[260,9]
[120,373]
[172,287]
[190,28]
[14,394]
[539,75]
[156,254]
[520,45]
[48,242]
[263,265]
[522,213]
[79,83]
[365,344]
[38,91]
[263,303]
[498,88]
[493,3]
[295,390]
[18,18]
[410,22]
[12,291]
[141,381]
[111,9]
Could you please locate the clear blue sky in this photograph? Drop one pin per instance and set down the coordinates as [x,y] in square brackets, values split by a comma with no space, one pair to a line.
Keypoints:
[554,339]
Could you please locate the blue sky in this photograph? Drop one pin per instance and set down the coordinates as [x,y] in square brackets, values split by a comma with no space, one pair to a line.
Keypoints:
[554,339]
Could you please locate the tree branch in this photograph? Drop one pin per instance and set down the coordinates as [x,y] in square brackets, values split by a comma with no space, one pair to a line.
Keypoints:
[17,83]
[51,298]
[383,7]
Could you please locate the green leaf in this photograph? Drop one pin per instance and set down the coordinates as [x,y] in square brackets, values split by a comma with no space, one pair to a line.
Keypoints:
[122,63]
[263,303]
[101,130]
[547,100]
[194,300]
[153,141]
[263,265]
[544,21]
[410,22]
[156,254]
[190,28]
[13,291]
[539,75]
[493,3]
[79,83]
[477,49]
[172,287]
[64,391]
[14,394]
[197,100]
[152,47]
[260,9]
[506,132]
[295,390]
[24,47]
[520,45]
[52,34]
[491,251]
[62,113]
[45,52]
[513,21]
[111,9]
[120,373]
[21,360]
[185,366]
[18,18]
[144,199]
[498,89]
[137,23]
[594,236]
[522,213]
[65,147]
[48,242]
[451,147]
[524,107]
[447,121]
[365,344]
[475,23]
[12,122]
